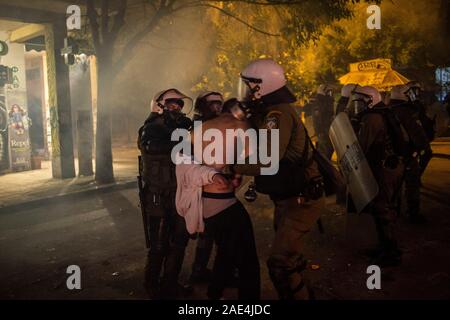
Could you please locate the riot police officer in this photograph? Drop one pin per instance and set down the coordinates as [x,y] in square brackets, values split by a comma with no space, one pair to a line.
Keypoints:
[420,101]
[296,189]
[344,99]
[382,142]
[165,230]
[419,152]
[208,105]
[322,115]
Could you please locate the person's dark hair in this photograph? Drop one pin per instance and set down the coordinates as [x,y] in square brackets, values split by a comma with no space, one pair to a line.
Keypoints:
[15,105]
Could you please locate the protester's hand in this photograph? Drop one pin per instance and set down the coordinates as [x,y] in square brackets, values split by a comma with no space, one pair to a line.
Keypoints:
[220,180]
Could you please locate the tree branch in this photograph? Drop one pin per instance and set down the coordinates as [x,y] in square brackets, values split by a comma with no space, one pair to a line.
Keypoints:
[130,46]
[227,13]
[260,3]
[152,3]
[119,19]
[105,20]
[166,7]
[92,16]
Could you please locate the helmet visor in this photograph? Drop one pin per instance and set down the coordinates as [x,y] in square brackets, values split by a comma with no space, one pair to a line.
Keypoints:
[174,104]
[244,92]
[360,102]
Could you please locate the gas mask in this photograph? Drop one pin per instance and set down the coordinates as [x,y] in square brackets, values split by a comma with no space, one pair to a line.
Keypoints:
[360,103]
[175,119]
[238,109]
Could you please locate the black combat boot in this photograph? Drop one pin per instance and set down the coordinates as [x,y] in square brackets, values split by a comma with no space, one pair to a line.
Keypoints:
[152,274]
[415,217]
[200,272]
[290,284]
[170,287]
[388,255]
[418,219]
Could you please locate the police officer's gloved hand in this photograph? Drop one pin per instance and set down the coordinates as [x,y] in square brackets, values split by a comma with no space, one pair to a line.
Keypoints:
[184,122]
[177,120]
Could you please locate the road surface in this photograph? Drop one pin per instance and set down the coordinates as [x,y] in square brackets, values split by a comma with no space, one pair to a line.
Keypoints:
[103,234]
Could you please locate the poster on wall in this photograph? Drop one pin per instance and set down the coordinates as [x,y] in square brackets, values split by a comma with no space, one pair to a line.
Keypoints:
[18,131]
[17,107]
[19,137]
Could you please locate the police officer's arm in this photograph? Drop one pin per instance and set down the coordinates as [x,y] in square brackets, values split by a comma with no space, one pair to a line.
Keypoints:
[284,123]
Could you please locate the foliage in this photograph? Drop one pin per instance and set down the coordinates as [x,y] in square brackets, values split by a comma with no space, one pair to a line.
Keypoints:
[318,47]
[295,25]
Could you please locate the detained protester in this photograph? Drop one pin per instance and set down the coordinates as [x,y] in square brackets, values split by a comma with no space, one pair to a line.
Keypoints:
[165,230]
[383,143]
[297,187]
[419,148]
[208,105]
[207,202]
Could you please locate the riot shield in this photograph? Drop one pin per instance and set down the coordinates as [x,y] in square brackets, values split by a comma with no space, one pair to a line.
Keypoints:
[361,183]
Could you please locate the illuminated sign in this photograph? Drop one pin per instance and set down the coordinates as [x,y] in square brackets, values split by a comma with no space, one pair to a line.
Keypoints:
[371,65]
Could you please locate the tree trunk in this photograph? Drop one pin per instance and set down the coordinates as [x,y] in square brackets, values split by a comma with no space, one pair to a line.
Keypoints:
[103,153]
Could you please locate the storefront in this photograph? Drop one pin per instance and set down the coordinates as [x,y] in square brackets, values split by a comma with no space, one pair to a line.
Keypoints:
[37,118]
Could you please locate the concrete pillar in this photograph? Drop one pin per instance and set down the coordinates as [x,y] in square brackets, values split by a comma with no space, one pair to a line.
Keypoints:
[59,102]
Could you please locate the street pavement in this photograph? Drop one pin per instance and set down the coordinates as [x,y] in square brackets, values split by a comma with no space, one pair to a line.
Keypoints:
[35,185]
[103,234]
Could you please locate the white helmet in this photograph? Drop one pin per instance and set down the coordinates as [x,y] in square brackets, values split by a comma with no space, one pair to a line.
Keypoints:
[347,89]
[399,92]
[163,98]
[365,98]
[413,92]
[261,77]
